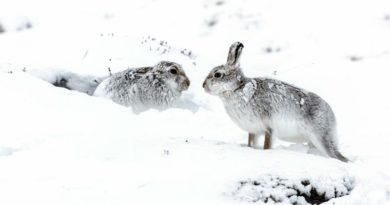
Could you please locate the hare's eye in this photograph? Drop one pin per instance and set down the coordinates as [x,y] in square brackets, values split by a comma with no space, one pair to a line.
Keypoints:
[217,75]
[173,71]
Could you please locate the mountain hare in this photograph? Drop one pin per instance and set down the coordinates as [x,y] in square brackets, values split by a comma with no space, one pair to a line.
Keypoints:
[140,88]
[272,107]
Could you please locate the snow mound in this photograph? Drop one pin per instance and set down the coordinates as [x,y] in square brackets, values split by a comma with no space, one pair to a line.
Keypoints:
[15,23]
[7,151]
[278,189]
[72,81]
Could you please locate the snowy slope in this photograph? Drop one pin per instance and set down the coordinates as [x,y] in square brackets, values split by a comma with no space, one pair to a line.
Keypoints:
[64,147]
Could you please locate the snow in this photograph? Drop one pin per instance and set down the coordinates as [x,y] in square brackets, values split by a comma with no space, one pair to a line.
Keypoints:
[281,190]
[65,147]
[302,101]
[249,90]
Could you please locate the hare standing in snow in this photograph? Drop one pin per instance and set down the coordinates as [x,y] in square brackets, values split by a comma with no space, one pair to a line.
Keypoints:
[272,107]
[140,88]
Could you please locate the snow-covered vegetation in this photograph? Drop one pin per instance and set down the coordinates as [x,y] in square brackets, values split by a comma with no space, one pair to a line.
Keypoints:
[59,146]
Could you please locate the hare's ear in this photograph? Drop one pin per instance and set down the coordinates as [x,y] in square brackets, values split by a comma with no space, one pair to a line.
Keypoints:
[234,54]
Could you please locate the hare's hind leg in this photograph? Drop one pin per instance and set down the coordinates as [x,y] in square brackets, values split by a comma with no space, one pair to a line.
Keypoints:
[251,139]
[341,157]
[268,139]
[327,145]
[316,141]
[331,147]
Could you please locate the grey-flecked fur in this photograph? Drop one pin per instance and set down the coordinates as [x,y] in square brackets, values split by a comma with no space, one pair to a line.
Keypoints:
[140,88]
[273,107]
[146,87]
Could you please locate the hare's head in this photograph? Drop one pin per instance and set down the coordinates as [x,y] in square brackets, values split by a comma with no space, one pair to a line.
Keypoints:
[228,77]
[173,75]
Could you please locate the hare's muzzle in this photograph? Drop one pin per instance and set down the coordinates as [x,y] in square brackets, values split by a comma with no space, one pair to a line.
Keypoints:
[205,82]
[205,87]
[187,82]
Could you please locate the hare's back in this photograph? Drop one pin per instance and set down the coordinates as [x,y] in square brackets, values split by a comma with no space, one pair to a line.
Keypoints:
[119,84]
[287,100]
[305,109]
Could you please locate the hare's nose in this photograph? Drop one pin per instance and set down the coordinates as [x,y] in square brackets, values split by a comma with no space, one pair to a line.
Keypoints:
[204,84]
[187,82]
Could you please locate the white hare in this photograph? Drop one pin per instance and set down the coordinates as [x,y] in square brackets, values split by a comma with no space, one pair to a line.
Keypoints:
[273,107]
[140,88]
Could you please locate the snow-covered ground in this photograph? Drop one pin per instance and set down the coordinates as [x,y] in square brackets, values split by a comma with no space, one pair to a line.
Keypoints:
[64,147]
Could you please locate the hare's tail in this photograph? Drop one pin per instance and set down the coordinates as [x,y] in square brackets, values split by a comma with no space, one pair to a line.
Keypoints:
[72,81]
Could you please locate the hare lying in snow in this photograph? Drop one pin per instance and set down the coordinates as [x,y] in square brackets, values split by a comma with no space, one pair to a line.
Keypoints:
[272,107]
[140,88]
